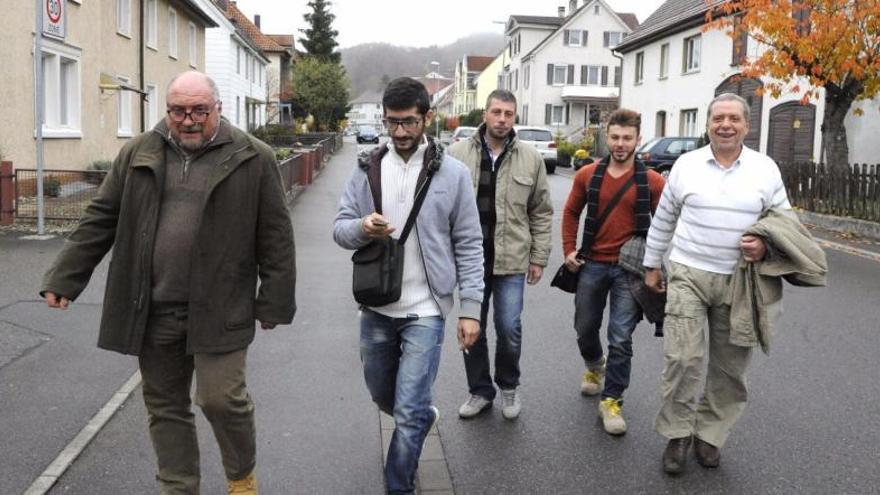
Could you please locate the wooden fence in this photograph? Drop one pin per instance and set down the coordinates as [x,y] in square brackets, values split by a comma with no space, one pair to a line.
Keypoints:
[851,191]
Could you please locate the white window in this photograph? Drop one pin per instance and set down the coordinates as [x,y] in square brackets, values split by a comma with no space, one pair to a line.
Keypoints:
[575,37]
[193,45]
[172,33]
[123,17]
[123,111]
[527,73]
[691,56]
[592,74]
[640,67]
[558,115]
[152,24]
[688,126]
[559,72]
[152,117]
[664,60]
[612,38]
[61,98]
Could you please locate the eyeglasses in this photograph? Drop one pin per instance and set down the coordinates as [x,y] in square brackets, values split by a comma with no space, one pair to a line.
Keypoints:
[408,124]
[197,115]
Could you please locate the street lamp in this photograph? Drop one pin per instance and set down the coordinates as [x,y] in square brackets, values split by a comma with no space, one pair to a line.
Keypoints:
[435,70]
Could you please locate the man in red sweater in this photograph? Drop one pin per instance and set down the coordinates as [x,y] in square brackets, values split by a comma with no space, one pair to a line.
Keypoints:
[597,186]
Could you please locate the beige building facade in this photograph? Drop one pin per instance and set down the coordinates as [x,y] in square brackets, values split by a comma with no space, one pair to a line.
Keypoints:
[88,115]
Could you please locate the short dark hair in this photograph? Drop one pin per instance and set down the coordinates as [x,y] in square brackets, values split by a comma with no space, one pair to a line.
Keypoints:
[404,93]
[626,118]
[501,95]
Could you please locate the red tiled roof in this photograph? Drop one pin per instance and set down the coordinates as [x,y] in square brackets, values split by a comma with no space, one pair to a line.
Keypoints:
[249,30]
[284,40]
[477,63]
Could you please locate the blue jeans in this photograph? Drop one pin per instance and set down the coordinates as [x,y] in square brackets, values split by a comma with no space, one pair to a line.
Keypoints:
[595,282]
[400,358]
[508,304]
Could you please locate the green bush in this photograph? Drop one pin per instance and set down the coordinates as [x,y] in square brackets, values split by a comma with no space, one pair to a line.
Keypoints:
[282,154]
[51,187]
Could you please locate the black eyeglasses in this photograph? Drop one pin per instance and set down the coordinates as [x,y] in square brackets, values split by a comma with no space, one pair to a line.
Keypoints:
[197,115]
[408,124]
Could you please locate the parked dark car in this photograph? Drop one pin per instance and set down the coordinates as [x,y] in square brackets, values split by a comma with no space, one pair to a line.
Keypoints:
[661,153]
[367,134]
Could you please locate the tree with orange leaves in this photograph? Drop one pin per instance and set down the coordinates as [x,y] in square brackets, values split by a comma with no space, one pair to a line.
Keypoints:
[830,44]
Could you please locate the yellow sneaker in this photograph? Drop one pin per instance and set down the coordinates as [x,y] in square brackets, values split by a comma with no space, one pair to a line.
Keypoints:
[612,417]
[591,384]
[244,486]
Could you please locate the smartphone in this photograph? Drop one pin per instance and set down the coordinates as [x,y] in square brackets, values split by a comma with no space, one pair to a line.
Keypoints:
[378,222]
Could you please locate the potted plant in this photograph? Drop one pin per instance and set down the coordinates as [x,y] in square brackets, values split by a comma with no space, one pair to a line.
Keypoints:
[564,152]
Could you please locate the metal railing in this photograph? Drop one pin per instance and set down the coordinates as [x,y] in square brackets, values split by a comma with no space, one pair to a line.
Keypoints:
[66,193]
[852,191]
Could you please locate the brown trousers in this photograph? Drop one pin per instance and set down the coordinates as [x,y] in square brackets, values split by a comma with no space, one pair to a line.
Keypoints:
[221,392]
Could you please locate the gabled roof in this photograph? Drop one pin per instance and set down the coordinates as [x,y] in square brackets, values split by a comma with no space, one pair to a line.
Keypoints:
[538,19]
[626,18]
[198,13]
[674,16]
[250,31]
[283,40]
[629,19]
[478,63]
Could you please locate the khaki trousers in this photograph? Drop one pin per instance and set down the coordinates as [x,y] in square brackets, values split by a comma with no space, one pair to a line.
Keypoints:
[693,296]
[221,392]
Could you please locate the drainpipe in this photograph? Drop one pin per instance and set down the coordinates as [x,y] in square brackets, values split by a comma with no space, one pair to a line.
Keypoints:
[141,43]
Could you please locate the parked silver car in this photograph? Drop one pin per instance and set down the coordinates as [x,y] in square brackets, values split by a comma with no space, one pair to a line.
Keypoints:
[542,139]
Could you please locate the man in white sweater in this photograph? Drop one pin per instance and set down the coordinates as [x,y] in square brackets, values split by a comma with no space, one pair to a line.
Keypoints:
[712,196]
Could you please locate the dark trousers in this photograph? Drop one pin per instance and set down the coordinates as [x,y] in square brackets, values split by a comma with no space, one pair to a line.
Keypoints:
[221,392]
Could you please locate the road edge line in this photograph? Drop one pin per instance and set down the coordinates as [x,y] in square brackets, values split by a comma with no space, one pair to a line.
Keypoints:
[848,249]
[65,459]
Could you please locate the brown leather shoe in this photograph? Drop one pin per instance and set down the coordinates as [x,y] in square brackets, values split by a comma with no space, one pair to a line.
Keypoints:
[675,454]
[708,455]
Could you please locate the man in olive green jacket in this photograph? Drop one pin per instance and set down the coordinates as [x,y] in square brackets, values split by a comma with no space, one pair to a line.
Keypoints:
[516,215]
[195,212]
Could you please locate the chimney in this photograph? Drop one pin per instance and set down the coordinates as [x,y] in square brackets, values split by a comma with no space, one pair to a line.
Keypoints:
[257,20]
[561,11]
[572,6]
[223,4]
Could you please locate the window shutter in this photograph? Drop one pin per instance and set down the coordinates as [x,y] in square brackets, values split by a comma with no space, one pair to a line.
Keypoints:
[548,111]
[570,79]
[565,37]
[617,76]
[605,39]
[584,36]
[567,112]
[583,75]
[549,74]
[604,75]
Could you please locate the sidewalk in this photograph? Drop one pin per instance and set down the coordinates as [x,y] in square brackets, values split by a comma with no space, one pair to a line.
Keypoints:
[318,430]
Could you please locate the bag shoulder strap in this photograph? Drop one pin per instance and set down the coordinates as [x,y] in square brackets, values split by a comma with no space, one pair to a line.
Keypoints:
[599,221]
[432,161]
[372,166]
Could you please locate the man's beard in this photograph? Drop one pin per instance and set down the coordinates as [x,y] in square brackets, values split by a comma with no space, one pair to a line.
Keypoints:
[414,142]
[625,158]
[492,133]
[191,144]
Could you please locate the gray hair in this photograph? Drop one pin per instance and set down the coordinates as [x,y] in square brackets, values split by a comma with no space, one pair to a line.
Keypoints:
[501,95]
[729,97]
[215,92]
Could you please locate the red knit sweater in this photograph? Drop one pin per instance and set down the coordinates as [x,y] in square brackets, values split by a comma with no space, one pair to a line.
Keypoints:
[620,224]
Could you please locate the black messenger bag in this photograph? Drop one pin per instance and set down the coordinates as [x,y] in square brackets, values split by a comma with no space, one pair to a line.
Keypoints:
[377,277]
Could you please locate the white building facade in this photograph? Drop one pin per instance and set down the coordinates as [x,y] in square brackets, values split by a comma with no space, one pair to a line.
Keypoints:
[672,70]
[562,69]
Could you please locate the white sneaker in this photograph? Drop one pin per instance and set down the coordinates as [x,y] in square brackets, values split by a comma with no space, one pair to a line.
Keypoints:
[510,405]
[591,384]
[474,406]
[612,417]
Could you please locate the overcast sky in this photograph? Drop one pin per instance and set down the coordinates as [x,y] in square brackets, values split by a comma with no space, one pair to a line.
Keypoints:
[415,22]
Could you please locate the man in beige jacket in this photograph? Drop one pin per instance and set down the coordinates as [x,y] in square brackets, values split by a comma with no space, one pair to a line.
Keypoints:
[513,200]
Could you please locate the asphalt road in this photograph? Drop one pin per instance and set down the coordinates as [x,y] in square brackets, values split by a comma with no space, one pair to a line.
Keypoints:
[811,425]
